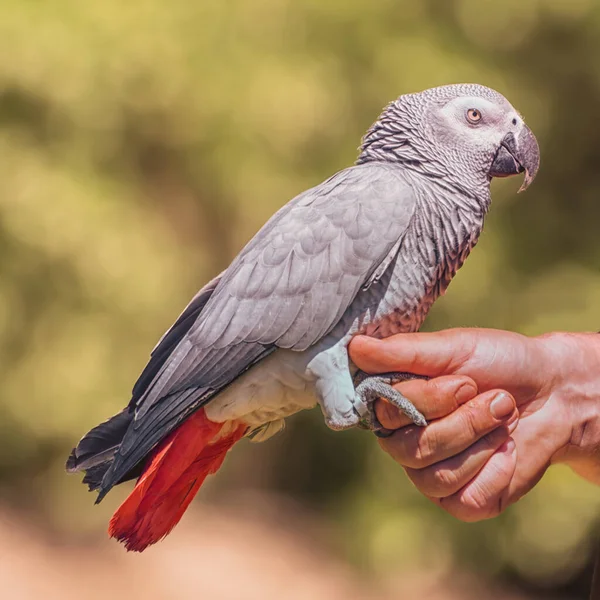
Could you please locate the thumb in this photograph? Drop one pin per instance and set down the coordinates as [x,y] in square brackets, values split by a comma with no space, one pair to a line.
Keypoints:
[433,354]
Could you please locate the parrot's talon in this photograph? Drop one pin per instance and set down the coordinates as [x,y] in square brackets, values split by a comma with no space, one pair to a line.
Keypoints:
[371,387]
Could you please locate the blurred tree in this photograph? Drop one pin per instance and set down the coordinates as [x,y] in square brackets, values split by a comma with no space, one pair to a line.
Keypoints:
[144,142]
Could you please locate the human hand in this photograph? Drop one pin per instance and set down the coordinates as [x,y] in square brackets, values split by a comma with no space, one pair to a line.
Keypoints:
[469,460]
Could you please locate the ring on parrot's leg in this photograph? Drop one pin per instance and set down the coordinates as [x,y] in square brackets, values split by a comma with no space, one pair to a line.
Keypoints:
[372,387]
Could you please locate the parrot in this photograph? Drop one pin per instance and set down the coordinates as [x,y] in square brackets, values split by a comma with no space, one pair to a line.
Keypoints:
[365,252]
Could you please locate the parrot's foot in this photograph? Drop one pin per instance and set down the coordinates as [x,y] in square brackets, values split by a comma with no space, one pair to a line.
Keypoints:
[371,387]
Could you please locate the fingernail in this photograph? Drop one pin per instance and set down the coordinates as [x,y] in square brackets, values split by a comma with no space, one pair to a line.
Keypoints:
[509,447]
[502,406]
[513,421]
[465,392]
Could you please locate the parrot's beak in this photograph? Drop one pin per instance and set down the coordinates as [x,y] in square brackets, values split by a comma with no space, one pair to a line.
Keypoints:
[517,155]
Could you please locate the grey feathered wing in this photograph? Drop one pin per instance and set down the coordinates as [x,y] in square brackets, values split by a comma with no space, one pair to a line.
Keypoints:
[287,288]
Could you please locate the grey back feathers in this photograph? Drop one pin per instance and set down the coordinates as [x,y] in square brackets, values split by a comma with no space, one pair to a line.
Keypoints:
[296,278]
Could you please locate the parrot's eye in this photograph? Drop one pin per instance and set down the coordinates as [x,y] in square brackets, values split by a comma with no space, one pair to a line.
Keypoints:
[473,116]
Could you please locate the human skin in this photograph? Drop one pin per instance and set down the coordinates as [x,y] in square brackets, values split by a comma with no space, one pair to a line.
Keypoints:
[502,407]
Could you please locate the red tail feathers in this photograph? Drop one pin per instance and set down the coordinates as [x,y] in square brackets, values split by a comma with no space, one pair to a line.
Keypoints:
[171,479]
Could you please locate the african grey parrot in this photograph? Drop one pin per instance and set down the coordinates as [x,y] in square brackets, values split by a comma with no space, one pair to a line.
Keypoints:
[367,251]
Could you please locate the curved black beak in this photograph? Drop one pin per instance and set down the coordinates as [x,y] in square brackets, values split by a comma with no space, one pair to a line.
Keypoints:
[517,155]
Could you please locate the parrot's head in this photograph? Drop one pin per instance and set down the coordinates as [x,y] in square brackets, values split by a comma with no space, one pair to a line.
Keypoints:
[466,132]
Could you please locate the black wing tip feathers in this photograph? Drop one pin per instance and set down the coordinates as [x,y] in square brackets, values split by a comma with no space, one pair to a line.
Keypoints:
[94,476]
[95,452]
[71,464]
[101,495]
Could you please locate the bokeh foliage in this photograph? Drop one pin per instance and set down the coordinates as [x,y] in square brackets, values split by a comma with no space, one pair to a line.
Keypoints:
[142,143]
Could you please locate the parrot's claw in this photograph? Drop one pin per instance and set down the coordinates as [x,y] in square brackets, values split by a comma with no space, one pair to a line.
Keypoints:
[371,387]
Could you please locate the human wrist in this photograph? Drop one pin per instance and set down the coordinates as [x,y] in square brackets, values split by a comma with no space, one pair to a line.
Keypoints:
[572,371]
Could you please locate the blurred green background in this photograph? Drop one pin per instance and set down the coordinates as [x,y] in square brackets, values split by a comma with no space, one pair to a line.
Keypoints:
[142,143]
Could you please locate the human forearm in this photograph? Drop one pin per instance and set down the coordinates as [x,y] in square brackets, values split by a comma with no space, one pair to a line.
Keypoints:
[575,384]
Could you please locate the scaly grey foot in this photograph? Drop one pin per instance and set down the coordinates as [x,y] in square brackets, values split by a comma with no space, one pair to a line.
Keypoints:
[371,387]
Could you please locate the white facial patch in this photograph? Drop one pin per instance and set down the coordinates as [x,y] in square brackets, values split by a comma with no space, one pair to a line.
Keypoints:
[450,124]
